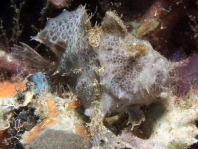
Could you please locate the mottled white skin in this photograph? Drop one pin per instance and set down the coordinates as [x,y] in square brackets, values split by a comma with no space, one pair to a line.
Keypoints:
[130,76]
[67,36]
[132,83]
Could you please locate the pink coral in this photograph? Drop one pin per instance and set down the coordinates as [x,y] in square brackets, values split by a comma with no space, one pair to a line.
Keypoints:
[60,3]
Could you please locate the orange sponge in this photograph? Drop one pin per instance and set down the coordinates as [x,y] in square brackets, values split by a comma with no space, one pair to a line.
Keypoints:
[82,131]
[46,123]
[9,89]
[72,105]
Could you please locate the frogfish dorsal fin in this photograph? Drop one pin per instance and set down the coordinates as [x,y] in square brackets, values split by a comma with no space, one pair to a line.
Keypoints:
[113,24]
[62,31]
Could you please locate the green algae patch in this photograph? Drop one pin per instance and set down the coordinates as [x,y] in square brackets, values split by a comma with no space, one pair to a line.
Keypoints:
[177,145]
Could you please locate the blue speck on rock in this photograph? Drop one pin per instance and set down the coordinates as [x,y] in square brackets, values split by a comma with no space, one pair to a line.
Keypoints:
[40,82]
